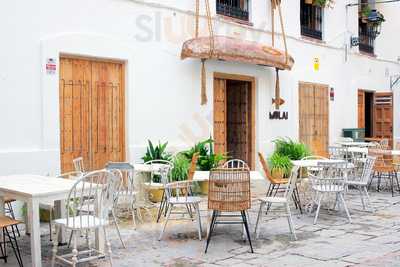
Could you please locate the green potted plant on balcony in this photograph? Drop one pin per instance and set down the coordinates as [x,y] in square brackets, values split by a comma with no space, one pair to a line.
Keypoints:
[321,3]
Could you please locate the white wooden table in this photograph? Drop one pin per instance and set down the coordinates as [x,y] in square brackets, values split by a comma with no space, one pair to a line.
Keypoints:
[35,189]
[364,150]
[356,144]
[310,163]
[205,176]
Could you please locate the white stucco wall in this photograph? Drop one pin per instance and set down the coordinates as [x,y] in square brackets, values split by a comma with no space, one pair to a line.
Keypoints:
[163,92]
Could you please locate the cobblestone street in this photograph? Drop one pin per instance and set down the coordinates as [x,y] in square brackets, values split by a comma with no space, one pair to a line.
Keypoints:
[371,240]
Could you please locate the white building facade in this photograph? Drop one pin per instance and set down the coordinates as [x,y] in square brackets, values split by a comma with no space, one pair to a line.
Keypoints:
[161,91]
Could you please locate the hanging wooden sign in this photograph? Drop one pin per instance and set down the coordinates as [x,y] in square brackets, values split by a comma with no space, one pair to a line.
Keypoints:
[279,115]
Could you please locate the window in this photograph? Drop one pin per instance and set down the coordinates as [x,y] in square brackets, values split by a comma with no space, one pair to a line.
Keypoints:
[311,20]
[238,9]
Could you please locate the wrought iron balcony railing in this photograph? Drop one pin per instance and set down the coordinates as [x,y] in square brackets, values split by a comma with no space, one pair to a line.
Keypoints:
[366,39]
[238,9]
[311,21]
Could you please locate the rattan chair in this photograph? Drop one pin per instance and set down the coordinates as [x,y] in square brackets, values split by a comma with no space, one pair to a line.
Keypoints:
[9,227]
[229,192]
[95,189]
[278,183]
[285,201]
[9,210]
[330,180]
[384,169]
[361,182]
[177,195]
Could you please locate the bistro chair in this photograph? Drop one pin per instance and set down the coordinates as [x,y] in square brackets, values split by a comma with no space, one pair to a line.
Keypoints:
[284,201]
[156,166]
[95,189]
[229,192]
[236,164]
[9,228]
[338,152]
[330,179]
[277,183]
[78,165]
[8,210]
[177,194]
[384,144]
[361,182]
[383,169]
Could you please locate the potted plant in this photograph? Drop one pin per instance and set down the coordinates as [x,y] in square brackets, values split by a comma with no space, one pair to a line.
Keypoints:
[158,152]
[320,3]
[281,165]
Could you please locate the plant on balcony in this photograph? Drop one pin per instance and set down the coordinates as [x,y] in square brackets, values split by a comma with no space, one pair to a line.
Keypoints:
[371,16]
[321,3]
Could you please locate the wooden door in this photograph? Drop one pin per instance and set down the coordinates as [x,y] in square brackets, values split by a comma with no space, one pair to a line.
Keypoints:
[361,109]
[314,117]
[220,116]
[91,112]
[238,120]
[383,116]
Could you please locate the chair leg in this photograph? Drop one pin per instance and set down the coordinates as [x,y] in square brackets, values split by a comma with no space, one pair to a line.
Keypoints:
[197,210]
[262,204]
[212,225]
[75,251]
[269,204]
[318,208]
[369,204]
[246,225]
[117,228]
[4,244]
[290,221]
[50,221]
[161,208]
[108,244]
[345,206]
[296,192]
[362,197]
[10,207]
[397,181]
[14,247]
[169,207]
[70,238]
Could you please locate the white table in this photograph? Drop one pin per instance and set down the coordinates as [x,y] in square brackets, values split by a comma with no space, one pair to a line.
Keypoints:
[356,144]
[205,176]
[35,189]
[364,150]
[310,163]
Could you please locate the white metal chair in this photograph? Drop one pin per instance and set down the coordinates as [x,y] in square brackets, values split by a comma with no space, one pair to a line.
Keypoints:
[284,201]
[78,165]
[93,189]
[330,180]
[361,182]
[181,197]
[345,139]
[156,167]
[236,164]
[337,152]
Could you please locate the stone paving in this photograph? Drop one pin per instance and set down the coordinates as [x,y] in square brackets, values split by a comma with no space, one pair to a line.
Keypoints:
[371,240]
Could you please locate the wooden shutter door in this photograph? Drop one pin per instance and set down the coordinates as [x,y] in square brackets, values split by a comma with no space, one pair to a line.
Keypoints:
[306,113]
[220,107]
[321,120]
[74,90]
[383,116]
[361,109]
[107,114]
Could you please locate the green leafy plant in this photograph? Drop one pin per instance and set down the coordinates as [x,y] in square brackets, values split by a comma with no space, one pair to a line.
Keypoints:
[156,152]
[181,168]
[293,150]
[280,163]
[323,3]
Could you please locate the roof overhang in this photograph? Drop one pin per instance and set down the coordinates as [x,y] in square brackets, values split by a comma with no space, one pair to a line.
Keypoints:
[236,50]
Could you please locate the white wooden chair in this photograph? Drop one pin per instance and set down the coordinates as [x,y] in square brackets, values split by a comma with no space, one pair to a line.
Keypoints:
[361,182]
[181,197]
[93,189]
[156,166]
[330,180]
[284,201]
[236,164]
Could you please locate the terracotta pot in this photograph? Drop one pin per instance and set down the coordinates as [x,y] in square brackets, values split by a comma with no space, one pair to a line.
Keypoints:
[155,193]
[203,187]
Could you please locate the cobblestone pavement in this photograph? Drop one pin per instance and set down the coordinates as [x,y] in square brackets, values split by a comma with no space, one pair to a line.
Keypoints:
[371,240]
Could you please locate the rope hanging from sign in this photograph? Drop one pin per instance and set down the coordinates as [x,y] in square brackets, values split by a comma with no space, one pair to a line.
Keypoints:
[211,51]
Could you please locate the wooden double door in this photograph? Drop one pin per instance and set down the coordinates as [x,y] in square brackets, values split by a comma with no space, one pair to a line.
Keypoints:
[375,114]
[314,117]
[92,112]
[234,117]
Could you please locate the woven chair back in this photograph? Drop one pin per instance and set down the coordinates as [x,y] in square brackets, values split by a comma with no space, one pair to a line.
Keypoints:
[229,190]
[266,170]
[193,166]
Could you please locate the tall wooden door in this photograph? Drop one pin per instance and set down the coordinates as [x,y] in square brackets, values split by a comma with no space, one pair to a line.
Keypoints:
[220,116]
[361,109]
[314,117]
[92,111]
[383,116]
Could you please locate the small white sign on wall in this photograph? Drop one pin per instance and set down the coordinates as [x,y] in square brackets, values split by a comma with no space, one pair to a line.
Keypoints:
[51,66]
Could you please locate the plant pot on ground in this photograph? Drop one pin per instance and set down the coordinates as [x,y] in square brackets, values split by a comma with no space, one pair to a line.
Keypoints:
[280,165]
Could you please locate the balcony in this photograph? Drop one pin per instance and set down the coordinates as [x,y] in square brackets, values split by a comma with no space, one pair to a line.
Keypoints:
[366,39]
[311,21]
[237,9]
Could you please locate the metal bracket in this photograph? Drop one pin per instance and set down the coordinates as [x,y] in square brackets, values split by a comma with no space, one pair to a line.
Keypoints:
[395,79]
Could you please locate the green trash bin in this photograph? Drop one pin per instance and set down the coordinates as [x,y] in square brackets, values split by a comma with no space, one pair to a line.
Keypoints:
[357,134]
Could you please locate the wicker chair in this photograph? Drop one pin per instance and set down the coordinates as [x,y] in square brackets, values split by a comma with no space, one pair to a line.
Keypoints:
[276,184]
[361,182]
[9,227]
[330,180]
[229,192]
[383,169]
[193,166]
[285,201]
